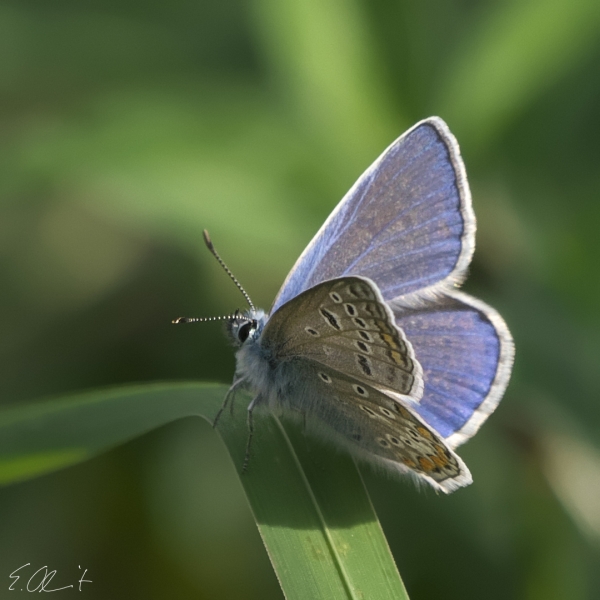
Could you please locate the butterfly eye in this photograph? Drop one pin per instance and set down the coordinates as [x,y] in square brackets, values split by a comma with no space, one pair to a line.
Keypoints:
[244,331]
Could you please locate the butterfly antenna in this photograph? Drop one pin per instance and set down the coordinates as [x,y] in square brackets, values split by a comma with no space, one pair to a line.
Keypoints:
[236,315]
[210,246]
[200,319]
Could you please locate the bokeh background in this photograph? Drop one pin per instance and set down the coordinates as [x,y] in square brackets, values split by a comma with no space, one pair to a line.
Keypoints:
[126,128]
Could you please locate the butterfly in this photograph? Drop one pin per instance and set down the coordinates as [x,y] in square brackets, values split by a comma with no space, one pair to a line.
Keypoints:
[369,340]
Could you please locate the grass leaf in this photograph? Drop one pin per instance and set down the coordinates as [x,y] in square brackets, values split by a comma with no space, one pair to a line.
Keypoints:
[310,505]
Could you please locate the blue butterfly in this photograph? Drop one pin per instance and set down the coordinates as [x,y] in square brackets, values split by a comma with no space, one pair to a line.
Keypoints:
[369,339]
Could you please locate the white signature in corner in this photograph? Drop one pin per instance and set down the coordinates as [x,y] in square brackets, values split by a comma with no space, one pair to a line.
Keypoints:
[40,580]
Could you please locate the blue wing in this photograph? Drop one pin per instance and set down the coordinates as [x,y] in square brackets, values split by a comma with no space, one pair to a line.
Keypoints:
[466,352]
[407,223]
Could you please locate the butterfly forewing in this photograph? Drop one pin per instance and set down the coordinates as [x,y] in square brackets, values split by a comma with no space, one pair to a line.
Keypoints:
[407,223]
[344,324]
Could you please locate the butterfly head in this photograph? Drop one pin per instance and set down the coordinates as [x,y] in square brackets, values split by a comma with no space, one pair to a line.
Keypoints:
[242,327]
[245,327]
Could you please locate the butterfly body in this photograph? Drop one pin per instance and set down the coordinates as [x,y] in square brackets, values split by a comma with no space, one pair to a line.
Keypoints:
[368,340]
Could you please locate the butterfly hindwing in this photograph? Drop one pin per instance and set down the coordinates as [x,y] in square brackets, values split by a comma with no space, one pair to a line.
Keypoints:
[374,426]
[345,324]
[466,352]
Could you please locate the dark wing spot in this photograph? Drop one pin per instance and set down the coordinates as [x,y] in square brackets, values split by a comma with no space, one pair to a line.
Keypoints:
[331,319]
[350,309]
[364,335]
[335,297]
[312,331]
[325,377]
[360,322]
[364,364]
[362,346]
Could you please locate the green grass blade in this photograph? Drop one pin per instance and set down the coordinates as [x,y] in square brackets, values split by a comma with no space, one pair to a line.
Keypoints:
[41,437]
[314,515]
[310,505]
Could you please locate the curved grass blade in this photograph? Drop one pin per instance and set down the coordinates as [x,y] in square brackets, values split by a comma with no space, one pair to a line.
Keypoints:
[310,505]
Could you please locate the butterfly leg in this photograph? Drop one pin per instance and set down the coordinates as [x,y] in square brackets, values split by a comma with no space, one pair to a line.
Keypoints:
[235,386]
[251,407]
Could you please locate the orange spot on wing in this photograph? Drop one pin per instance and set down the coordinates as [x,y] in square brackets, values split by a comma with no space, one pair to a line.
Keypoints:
[426,464]
[397,358]
[441,451]
[406,414]
[439,461]
[388,339]
[424,432]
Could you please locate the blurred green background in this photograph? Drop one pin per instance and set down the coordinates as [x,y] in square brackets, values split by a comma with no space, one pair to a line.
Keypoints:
[126,128]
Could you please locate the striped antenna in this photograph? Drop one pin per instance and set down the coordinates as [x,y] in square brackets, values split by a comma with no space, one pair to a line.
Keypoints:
[236,315]
[210,246]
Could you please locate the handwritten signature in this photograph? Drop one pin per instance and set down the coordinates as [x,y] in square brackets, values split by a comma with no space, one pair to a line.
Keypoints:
[40,580]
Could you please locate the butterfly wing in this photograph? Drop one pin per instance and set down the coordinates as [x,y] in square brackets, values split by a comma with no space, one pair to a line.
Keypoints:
[407,223]
[375,427]
[346,325]
[407,229]
[466,352]
[340,360]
